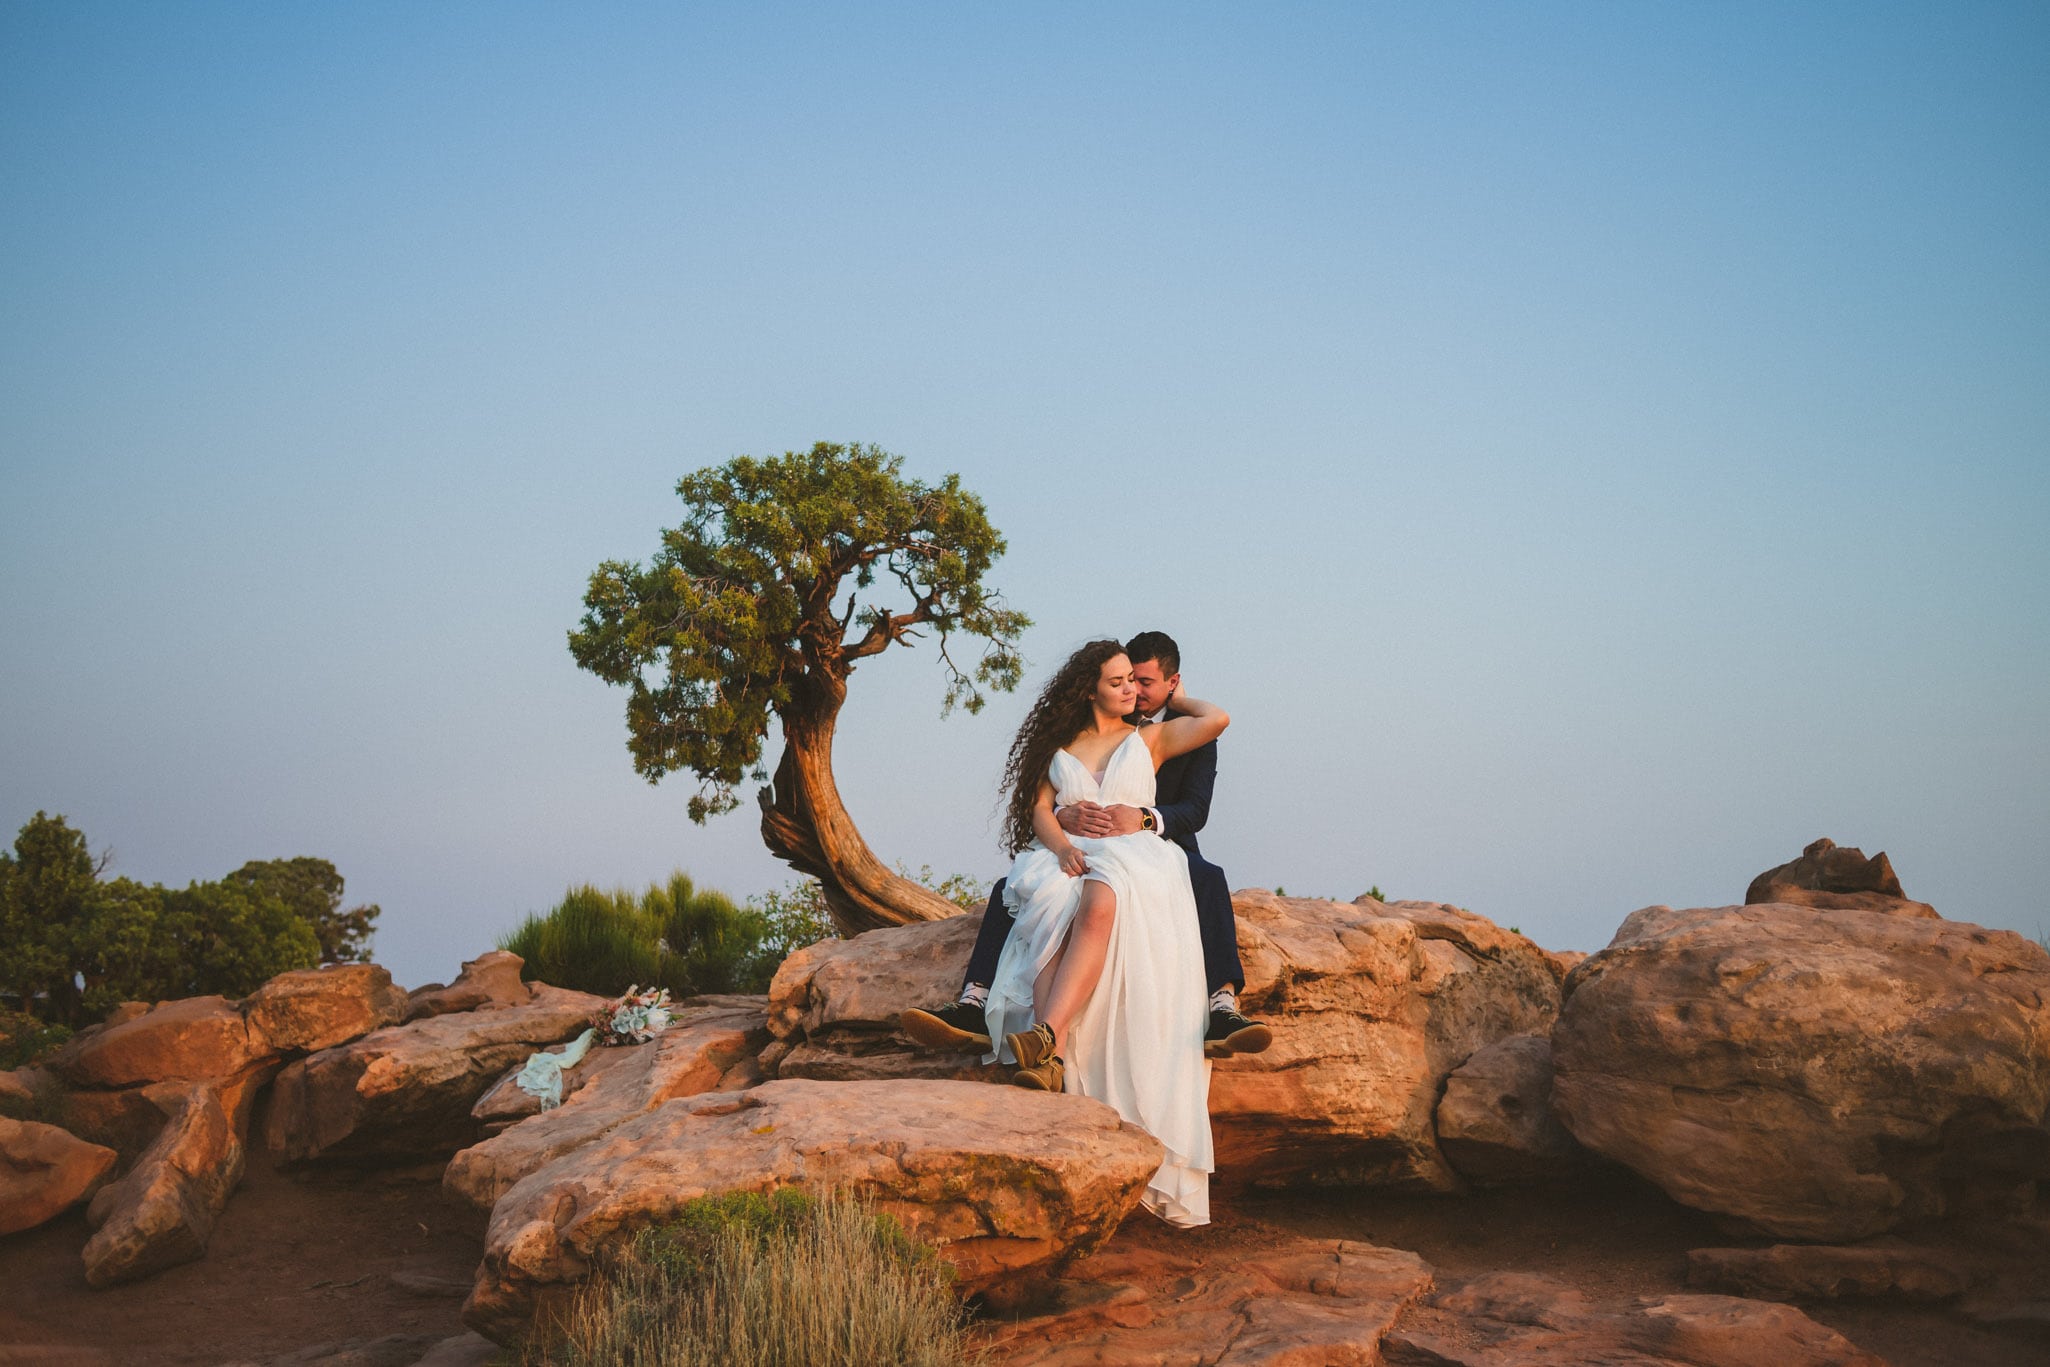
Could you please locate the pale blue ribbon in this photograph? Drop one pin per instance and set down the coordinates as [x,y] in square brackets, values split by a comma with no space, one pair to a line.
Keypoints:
[542,1075]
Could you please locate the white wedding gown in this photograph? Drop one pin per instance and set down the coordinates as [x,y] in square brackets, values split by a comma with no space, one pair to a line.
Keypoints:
[1138,1042]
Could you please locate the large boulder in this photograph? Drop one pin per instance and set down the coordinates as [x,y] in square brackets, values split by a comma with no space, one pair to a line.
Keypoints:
[1838,877]
[405,1092]
[1513,1319]
[317,1008]
[999,1180]
[1372,1005]
[1495,1121]
[194,1039]
[1811,1073]
[706,1048]
[44,1171]
[162,1212]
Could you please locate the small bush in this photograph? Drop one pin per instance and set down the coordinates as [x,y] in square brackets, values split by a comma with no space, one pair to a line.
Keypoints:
[671,935]
[775,1280]
[796,915]
[24,1039]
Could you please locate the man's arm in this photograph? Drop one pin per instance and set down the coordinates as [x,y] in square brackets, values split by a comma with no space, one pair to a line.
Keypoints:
[1187,814]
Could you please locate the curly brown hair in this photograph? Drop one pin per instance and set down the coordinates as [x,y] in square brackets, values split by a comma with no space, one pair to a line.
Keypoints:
[1063,710]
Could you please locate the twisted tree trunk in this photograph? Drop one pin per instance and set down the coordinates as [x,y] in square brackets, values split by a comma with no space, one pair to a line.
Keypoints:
[805,825]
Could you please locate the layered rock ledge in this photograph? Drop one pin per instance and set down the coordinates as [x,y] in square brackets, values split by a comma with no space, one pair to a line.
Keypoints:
[1372,1006]
[999,1180]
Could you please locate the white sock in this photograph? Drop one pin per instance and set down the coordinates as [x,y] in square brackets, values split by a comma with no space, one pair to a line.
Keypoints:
[975,994]
[1225,998]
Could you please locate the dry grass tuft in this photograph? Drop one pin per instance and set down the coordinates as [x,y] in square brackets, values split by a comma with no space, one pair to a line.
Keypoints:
[773,1281]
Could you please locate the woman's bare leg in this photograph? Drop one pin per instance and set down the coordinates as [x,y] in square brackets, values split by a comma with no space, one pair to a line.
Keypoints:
[1064,986]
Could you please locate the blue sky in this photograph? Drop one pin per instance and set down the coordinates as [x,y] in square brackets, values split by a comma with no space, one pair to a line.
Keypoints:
[1593,449]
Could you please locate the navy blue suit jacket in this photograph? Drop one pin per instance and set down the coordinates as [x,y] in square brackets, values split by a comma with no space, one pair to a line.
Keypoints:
[1182,789]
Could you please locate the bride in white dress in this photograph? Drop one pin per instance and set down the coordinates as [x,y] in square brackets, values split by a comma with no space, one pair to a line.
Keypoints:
[1100,989]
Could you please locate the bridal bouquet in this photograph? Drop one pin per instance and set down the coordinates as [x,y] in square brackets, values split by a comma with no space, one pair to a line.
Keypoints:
[635,1018]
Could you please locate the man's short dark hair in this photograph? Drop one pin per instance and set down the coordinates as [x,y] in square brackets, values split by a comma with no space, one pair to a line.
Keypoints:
[1155,645]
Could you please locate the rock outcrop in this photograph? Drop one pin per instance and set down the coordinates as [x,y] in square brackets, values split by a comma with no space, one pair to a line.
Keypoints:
[706,1048]
[196,1039]
[1837,877]
[1819,1272]
[1495,1121]
[1372,1005]
[999,1180]
[1511,1319]
[405,1092]
[1314,1301]
[44,1171]
[318,1008]
[1809,1072]
[162,1212]
[833,1006]
[487,982]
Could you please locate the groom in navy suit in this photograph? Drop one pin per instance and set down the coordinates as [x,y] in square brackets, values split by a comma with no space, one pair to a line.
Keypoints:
[1182,790]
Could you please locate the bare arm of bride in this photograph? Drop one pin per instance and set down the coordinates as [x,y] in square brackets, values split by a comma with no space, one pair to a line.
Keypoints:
[1052,836]
[1200,723]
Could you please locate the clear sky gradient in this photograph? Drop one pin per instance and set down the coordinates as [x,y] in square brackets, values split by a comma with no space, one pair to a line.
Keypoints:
[1593,449]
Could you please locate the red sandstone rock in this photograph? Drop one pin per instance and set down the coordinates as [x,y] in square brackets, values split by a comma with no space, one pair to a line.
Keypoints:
[1372,1005]
[1829,1271]
[1812,1073]
[1841,879]
[44,1171]
[1000,1180]
[197,1039]
[487,982]
[1515,1319]
[406,1091]
[1314,1302]
[318,1008]
[699,1049]
[162,1212]
[20,1085]
[1495,1120]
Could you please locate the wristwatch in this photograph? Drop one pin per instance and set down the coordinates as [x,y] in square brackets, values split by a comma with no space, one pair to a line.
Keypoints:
[1146,821]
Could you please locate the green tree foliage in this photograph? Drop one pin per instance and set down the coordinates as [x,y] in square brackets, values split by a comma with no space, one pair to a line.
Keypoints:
[798,917]
[73,946]
[784,574]
[673,935]
[313,890]
[23,1040]
[46,895]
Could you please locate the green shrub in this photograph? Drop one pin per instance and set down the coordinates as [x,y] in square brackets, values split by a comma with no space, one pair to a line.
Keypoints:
[593,941]
[775,1280]
[797,917]
[672,936]
[24,1039]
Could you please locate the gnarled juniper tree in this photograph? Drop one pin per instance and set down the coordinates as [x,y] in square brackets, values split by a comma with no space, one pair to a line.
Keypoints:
[785,573]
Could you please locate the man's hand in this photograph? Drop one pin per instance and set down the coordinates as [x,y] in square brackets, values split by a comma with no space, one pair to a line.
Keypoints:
[1096,822]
